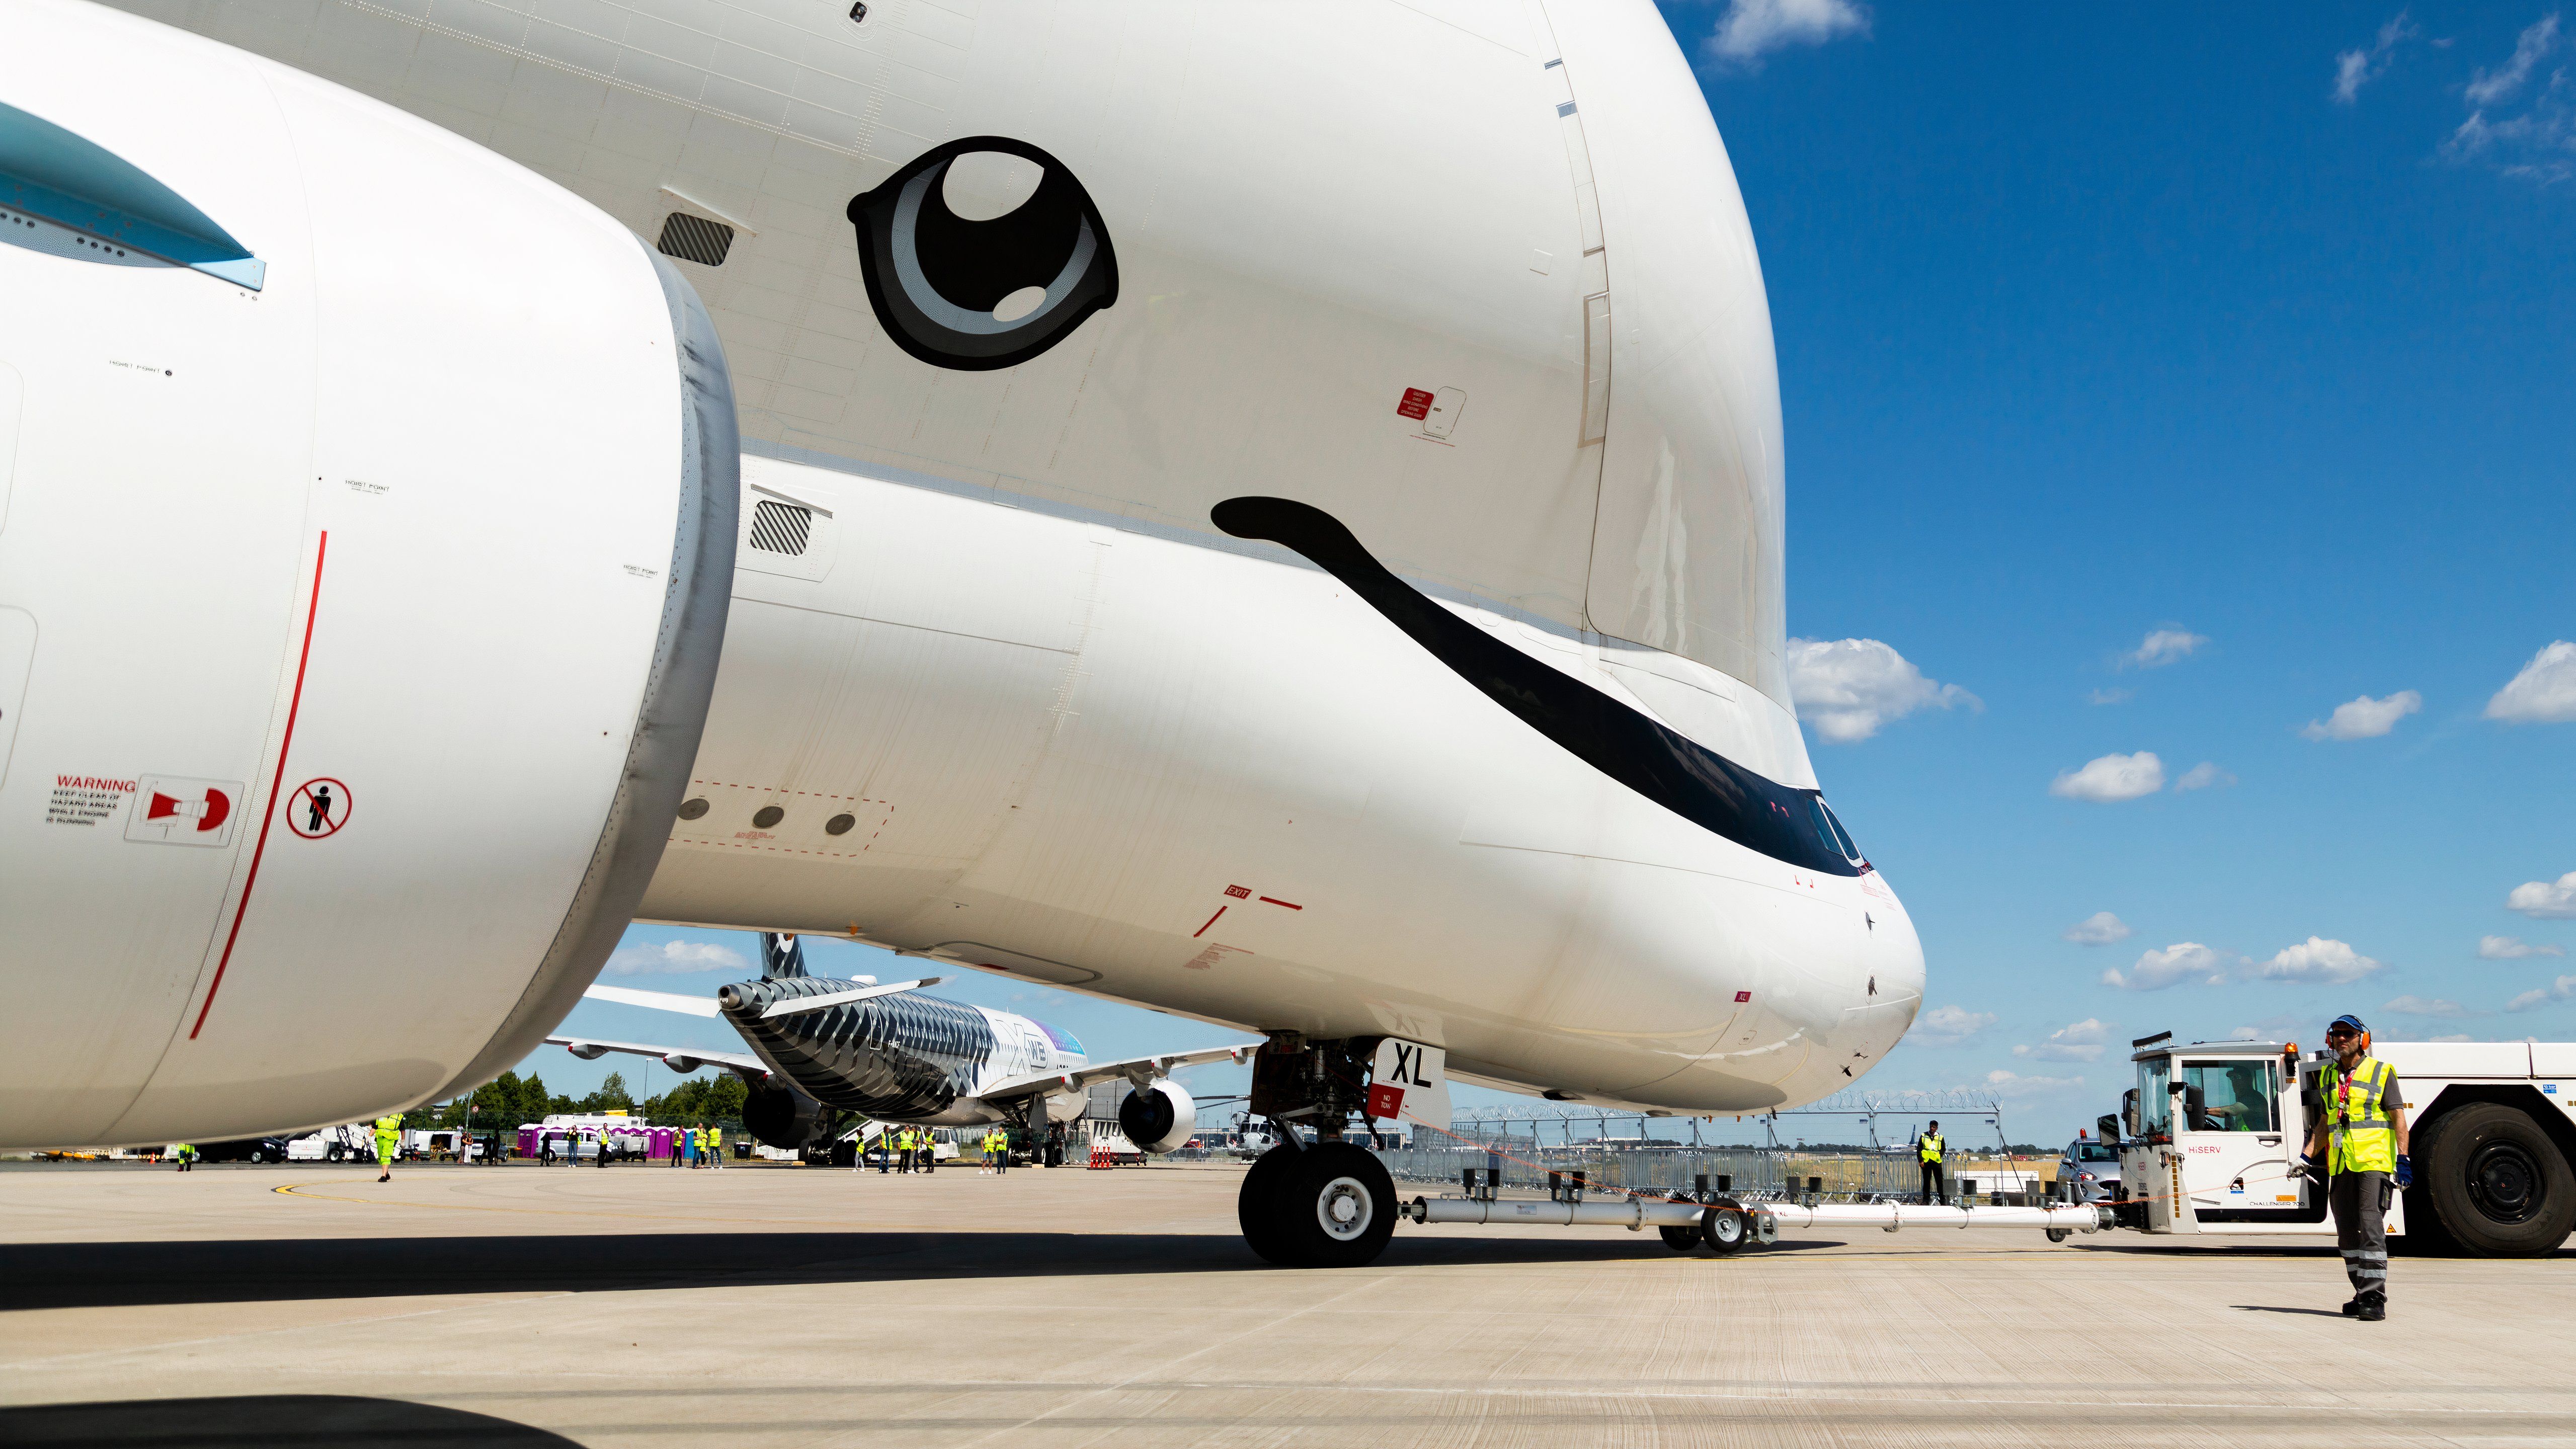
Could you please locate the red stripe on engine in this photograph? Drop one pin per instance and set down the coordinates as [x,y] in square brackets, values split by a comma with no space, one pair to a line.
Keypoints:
[267,818]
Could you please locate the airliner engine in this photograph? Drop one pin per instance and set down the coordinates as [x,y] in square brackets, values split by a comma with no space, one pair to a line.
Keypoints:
[1158,1117]
[366,519]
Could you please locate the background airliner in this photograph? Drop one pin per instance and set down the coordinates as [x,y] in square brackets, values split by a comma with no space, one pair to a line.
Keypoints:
[821,1047]
[1272,513]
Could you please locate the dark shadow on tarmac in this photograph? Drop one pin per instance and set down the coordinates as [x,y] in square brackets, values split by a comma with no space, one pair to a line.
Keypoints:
[262,1419]
[2303,1312]
[100,1275]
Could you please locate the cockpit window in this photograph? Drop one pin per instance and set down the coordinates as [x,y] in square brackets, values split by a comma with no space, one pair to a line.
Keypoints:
[1831,828]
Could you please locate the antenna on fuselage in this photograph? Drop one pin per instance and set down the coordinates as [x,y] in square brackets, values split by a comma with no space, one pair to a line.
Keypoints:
[781,955]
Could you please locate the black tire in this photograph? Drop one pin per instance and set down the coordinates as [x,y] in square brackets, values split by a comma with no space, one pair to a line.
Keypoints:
[337,1153]
[1335,1207]
[2058,1235]
[1256,1203]
[2497,1185]
[1681,1240]
[1725,1229]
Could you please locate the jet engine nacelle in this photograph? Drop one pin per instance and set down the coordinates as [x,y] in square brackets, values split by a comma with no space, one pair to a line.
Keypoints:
[785,1118]
[366,530]
[1158,1117]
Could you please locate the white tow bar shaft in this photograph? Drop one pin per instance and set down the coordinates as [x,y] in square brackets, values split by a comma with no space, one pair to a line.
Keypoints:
[1767,1216]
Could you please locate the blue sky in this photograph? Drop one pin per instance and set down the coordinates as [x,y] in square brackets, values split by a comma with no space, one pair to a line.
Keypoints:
[2249,328]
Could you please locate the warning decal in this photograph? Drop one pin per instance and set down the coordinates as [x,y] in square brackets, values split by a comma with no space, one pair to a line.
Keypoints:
[86,799]
[318,808]
[170,810]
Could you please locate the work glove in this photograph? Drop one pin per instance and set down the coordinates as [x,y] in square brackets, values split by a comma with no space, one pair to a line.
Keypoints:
[2311,1166]
[2405,1170]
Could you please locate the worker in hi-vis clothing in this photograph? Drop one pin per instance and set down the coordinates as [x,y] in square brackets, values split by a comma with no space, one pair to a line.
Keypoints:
[2359,1152]
[1930,1147]
[388,1132]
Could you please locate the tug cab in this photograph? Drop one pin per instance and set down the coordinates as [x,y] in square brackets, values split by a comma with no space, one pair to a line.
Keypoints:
[2210,1135]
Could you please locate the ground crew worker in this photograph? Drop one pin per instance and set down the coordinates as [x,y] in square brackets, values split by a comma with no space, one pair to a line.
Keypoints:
[1001,1149]
[185,1153]
[715,1144]
[929,1156]
[1934,1190]
[2359,1152]
[905,1148]
[388,1132]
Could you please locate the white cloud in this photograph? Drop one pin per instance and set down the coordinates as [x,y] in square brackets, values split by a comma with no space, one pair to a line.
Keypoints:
[2107,696]
[2419,1006]
[2357,68]
[2559,990]
[2455,1036]
[2014,1084]
[2201,777]
[2080,1041]
[2534,144]
[2365,718]
[2112,777]
[2543,693]
[2486,87]
[1847,688]
[2288,1026]
[2162,647]
[2543,901]
[2512,948]
[2175,964]
[1751,29]
[1950,1025]
[675,957]
[2098,929]
[2316,960]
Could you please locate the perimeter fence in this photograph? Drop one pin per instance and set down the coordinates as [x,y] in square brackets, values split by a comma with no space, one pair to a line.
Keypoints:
[1523,1147]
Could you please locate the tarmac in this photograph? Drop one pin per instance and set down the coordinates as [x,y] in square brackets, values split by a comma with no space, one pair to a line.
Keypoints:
[518,1305]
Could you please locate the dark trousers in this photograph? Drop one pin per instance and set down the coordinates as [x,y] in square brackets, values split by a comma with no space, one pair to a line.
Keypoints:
[1932,1185]
[2360,1204]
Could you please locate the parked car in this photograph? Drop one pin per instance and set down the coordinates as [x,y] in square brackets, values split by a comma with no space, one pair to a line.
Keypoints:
[244,1149]
[2088,1170]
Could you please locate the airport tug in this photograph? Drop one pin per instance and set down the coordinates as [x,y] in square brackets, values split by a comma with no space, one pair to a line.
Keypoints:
[2210,1134]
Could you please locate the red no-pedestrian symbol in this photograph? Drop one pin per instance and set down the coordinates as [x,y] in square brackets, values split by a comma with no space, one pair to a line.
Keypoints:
[318,808]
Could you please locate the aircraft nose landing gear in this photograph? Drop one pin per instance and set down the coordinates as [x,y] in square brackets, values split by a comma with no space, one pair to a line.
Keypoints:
[1331,1205]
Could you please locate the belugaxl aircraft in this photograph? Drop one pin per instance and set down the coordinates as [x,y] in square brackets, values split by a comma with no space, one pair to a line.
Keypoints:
[1269,512]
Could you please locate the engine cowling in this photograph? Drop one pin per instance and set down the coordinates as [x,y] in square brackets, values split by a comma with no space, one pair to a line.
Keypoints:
[786,1118]
[1158,1117]
[366,532]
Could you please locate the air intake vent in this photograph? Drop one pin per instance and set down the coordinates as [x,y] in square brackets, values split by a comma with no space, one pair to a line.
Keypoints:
[695,239]
[780,527]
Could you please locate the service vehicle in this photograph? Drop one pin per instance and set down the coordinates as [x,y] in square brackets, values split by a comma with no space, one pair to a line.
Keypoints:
[2088,1170]
[2214,1129]
[350,1142]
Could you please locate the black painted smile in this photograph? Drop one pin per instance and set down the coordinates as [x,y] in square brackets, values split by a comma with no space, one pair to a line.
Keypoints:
[1687,778]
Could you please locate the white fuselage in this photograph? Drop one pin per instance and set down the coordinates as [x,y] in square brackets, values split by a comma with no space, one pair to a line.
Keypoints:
[1064,745]
[1470,277]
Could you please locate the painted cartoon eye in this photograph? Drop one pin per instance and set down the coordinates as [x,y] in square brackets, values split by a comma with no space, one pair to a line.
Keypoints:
[983,253]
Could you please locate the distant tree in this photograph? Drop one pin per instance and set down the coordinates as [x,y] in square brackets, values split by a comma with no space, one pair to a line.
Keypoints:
[611,1096]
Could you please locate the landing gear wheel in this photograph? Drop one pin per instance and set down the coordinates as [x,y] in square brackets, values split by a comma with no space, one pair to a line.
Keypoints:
[2498,1186]
[1681,1240]
[1256,1203]
[1724,1229]
[2058,1235]
[1333,1206]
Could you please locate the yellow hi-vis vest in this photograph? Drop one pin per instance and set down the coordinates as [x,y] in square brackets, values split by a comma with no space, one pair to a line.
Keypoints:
[388,1128]
[1931,1146]
[2361,1138]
